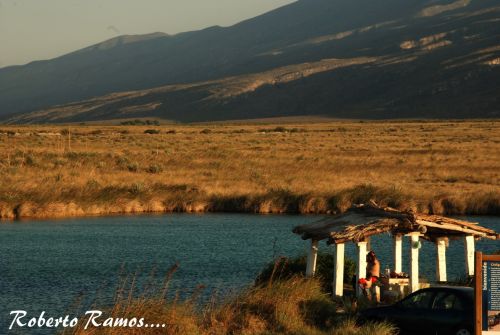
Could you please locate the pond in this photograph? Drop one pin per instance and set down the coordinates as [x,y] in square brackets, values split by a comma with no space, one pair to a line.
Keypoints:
[47,265]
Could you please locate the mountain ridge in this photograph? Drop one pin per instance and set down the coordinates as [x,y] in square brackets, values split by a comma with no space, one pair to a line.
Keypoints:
[306,31]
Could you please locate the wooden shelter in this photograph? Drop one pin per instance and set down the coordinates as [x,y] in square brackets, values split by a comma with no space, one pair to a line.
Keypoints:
[361,222]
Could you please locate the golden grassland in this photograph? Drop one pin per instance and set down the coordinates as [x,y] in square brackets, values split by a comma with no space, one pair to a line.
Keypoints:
[446,167]
[294,306]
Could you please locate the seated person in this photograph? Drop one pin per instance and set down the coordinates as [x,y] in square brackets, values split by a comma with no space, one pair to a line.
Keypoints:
[372,272]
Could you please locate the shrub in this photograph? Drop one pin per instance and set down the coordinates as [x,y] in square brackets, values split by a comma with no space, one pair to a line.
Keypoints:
[298,130]
[133,167]
[206,131]
[152,131]
[121,160]
[285,268]
[136,188]
[30,160]
[155,168]
[92,184]
[280,129]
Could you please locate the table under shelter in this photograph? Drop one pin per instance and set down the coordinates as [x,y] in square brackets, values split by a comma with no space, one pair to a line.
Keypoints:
[361,222]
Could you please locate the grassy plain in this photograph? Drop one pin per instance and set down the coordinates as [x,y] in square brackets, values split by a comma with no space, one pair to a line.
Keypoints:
[448,167]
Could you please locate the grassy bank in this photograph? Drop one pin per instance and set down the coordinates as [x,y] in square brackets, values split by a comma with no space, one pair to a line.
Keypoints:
[294,306]
[437,167]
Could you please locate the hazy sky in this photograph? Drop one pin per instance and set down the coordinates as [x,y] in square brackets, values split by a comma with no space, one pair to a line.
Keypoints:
[43,29]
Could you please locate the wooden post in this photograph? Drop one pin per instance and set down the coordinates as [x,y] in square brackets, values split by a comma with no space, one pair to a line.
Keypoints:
[312,257]
[414,279]
[469,255]
[361,267]
[478,292]
[338,276]
[398,253]
[441,259]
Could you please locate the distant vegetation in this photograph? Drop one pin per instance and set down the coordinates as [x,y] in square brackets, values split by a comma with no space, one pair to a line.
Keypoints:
[447,167]
[139,122]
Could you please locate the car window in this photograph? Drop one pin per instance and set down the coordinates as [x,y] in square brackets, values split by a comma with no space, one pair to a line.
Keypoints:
[419,300]
[447,301]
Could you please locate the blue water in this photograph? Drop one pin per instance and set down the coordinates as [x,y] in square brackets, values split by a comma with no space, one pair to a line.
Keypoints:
[47,265]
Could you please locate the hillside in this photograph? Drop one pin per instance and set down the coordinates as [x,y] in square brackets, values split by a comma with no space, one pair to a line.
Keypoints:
[350,59]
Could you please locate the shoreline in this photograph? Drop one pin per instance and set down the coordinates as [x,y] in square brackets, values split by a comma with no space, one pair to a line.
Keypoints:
[282,203]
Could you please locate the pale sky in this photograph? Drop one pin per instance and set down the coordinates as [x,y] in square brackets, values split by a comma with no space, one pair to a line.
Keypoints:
[43,29]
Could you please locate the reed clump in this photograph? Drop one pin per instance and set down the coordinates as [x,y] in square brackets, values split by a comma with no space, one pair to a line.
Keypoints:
[434,167]
[293,306]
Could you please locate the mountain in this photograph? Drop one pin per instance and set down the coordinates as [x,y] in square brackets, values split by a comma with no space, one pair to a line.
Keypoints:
[341,58]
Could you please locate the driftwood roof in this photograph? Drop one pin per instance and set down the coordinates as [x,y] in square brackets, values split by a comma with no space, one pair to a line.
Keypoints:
[363,221]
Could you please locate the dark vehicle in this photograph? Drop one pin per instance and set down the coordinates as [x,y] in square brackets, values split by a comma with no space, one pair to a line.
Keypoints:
[433,311]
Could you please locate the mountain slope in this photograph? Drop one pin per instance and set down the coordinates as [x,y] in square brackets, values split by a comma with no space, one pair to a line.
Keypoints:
[428,58]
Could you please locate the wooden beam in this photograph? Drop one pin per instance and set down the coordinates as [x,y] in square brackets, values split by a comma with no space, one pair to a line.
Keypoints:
[398,253]
[414,276]
[441,259]
[453,227]
[338,275]
[469,255]
[312,257]
[361,265]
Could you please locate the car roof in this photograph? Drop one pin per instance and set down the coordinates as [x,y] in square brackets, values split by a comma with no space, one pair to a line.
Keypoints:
[463,289]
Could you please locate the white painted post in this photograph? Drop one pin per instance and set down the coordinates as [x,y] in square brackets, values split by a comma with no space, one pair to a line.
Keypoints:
[312,257]
[377,293]
[414,279]
[361,267]
[338,276]
[398,253]
[469,255]
[441,259]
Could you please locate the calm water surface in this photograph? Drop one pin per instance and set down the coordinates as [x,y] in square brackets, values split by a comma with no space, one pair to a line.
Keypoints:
[46,265]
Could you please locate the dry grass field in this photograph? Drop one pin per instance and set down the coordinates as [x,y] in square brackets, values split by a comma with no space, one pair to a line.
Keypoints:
[450,167]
